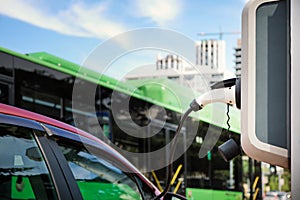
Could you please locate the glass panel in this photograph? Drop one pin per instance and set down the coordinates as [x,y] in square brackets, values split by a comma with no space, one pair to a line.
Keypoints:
[23,172]
[49,92]
[41,89]
[272,72]
[4,93]
[98,178]
[6,63]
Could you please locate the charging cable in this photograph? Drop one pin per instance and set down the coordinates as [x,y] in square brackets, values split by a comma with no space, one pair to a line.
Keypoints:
[224,92]
[173,148]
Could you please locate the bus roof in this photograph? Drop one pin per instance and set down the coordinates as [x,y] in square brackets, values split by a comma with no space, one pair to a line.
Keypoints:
[159,91]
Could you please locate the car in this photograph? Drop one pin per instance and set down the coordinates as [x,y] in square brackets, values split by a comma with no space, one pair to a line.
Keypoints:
[277,195]
[42,158]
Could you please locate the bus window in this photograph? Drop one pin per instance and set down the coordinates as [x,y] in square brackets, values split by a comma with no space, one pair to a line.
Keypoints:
[4,93]
[6,64]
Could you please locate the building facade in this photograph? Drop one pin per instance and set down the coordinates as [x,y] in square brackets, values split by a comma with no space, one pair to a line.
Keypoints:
[238,58]
[211,53]
[209,67]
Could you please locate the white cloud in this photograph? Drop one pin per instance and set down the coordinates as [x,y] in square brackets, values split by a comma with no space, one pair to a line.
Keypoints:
[92,20]
[78,20]
[160,11]
[245,1]
[87,20]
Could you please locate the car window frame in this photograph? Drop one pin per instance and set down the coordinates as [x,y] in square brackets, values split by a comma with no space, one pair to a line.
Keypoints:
[56,173]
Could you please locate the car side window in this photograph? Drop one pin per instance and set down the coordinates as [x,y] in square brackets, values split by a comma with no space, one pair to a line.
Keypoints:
[96,177]
[23,172]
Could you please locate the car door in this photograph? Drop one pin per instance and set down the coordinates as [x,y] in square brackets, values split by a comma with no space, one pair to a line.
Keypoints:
[28,167]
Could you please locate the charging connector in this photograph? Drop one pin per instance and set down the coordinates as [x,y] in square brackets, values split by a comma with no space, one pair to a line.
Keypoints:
[224,95]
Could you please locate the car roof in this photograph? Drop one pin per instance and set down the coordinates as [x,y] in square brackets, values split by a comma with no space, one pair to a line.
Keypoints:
[14,111]
[10,110]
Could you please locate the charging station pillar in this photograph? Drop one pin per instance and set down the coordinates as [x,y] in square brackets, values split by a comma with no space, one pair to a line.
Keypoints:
[295,98]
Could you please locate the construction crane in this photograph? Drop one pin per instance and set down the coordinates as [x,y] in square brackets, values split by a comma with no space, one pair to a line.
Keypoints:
[221,33]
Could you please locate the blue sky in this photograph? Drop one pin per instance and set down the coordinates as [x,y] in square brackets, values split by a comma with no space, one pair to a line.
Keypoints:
[71,29]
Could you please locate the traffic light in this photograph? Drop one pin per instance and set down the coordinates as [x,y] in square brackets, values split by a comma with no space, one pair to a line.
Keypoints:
[265,81]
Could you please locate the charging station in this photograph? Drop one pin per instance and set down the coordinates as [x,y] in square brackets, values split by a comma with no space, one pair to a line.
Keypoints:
[265,83]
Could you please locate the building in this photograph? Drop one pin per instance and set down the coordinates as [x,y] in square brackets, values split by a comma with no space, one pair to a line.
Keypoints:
[209,67]
[238,58]
[211,53]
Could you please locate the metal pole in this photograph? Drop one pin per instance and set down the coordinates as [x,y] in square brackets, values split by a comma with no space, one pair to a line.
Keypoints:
[185,163]
[209,173]
[231,181]
[251,177]
[295,97]
[167,138]
[279,180]
[149,149]
[257,173]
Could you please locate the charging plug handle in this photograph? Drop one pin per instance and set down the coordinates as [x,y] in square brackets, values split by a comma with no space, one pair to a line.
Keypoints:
[226,91]
[224,84]
[222,95]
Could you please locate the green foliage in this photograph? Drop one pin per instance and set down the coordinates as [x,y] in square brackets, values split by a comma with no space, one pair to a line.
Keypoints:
[273,182]
[287,181]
